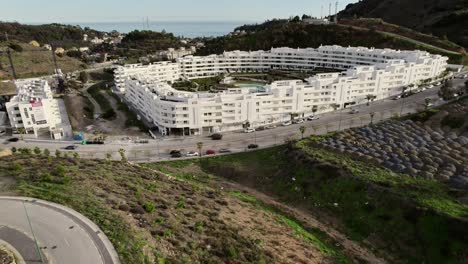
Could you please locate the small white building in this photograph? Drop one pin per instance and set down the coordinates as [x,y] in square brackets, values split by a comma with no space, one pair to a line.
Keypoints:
[316,21]
[36,111]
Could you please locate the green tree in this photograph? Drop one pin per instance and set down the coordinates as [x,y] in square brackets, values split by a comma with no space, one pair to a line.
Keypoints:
[13,150]
[84,77]
[58,153]
[302,129]
[122,155]
[46,152]
[370,98]
[200,147]
[427,103]
[37,151]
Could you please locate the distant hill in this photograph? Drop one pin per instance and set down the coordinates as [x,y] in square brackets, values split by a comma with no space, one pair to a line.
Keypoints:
[284,33]
[66,36]
[34,61]
[442,18]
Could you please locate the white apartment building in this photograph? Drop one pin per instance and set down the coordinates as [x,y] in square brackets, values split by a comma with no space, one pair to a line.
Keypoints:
[35,110]
[363,71]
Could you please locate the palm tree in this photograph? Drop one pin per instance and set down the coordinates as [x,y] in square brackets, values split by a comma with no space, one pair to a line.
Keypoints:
[372,114]
[200,147]
[302,129]
[427,103]
[369,97]
[21,131]
[403,90]
[335,107]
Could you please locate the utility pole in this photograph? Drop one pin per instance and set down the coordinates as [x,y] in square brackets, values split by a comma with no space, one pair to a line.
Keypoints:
[11,62]
[321,13]
[147,23]
[329,11]
[336,12]
[8,51]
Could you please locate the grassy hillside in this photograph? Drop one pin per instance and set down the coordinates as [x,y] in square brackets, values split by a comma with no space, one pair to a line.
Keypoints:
[33,61]
[296,34]
[405,220]
[152,218]
[66,36]
[442,18]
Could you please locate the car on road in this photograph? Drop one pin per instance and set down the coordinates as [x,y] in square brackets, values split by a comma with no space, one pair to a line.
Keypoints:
[270,127]
[298,121]
[192,154]
[354,111]
[312,118]
[210,152]
[13,139]
[222,151]
[216,136]
[398,97]
[176,154]
[287,123]
[71,147]
[430,86]
[438,83]
[252,146]
[249,130]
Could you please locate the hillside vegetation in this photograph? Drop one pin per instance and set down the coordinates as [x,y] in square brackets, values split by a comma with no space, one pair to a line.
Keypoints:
[66,36]
[447,18]
[154,218]
[283,33]
[34,61]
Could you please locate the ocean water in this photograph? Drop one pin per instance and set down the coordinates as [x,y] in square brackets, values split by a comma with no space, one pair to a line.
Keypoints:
[186,28]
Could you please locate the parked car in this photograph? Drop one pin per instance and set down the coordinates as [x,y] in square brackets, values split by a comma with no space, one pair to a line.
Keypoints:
[287,123]
[210,152]
[216,136]
[192,154]
[176,154]
[354,111]
[430,86]
[261,128]
[298,121]
[438,83]
[174,151]
[71,147]
[398,97]
[270,127]
[312,118]
[14,139]
[252,146]
[249,130]
[224,151]
[94,142]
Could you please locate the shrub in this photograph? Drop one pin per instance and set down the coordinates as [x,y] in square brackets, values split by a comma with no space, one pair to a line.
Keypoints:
[47,177]
[453,122]
[17,167]
[59,170]
[58,153]
[15,47]
[46,152]
[76,155]
[109,114]
[13,149]
[25,151]
[37,151]
[149,207]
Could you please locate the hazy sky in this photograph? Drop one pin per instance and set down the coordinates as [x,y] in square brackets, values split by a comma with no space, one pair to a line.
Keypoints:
[29,11]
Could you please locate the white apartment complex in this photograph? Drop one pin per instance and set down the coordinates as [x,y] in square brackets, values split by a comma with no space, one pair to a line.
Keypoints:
[363,71]
[35,110]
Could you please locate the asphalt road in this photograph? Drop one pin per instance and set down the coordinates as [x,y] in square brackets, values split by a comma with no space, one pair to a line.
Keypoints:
[63,235]
[238,141]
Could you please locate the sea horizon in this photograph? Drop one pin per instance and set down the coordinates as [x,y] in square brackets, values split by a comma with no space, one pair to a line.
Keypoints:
[190,29]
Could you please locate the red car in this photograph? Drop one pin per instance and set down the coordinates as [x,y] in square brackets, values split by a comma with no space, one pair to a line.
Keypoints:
[210,152]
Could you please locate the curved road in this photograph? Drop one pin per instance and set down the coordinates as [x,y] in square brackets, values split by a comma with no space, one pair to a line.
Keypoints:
[62,234]
[157,150]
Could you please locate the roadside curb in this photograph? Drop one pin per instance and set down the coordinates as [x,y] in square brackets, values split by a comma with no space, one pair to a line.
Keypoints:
[97,235]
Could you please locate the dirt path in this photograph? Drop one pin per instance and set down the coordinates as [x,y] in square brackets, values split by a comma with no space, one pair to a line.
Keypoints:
[352,248]
[97,107]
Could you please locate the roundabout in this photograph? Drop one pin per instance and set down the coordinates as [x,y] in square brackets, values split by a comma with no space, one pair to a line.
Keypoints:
[36,231]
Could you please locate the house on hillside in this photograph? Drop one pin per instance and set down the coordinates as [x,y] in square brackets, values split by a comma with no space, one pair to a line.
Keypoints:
[59,51]
[47,47]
